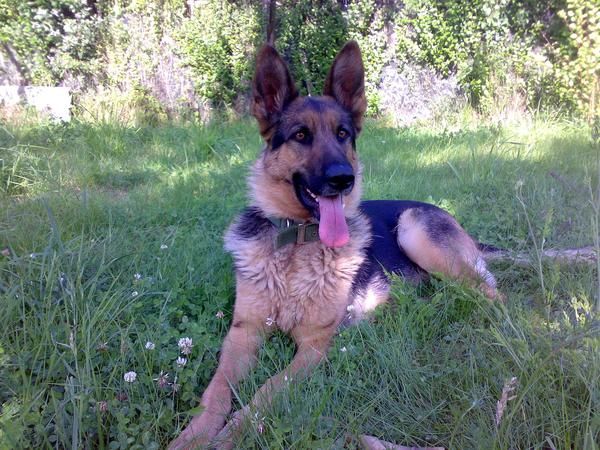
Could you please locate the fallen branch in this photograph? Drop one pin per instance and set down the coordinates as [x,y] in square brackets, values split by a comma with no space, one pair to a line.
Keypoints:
[373,443]
[586,255]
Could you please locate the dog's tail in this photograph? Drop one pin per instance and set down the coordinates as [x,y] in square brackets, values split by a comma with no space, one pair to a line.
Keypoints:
[488,248]
[587,255]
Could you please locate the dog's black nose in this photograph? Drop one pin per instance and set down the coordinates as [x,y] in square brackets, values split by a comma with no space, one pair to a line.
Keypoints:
[339,177]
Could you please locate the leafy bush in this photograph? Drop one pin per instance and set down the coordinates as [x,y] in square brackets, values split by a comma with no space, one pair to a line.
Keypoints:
[50,38]
[545,51]
[370,26]
[505,54]
[577,58]
[310,35]
[218,42]
[472,39]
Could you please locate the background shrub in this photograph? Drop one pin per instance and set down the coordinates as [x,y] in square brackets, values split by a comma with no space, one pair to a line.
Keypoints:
[218,42]
[505,54]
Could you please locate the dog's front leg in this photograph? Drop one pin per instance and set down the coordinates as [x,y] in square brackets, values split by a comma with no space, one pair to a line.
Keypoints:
[312,346]
[238,354]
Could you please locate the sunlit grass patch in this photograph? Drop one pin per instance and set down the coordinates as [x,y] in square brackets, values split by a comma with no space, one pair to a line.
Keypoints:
[111,238]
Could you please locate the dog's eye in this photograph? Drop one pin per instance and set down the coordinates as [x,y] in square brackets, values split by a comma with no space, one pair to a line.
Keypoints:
[342,134]
[302,136]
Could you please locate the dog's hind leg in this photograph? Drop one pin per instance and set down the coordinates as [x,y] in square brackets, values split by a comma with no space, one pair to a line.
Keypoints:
[435,241]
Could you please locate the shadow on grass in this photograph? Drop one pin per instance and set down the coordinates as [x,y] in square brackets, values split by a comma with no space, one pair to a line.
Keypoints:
[185,174]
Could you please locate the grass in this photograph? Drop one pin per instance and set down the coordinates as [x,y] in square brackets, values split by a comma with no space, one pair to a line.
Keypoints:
[112,238]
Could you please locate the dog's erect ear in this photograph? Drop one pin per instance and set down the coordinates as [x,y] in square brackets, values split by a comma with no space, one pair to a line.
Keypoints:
[346,82]
[272,91]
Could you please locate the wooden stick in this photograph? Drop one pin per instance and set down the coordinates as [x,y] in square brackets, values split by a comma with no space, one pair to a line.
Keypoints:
[373,443]
[586,255]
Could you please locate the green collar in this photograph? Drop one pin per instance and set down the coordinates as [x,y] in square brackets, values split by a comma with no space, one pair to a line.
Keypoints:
[292,232]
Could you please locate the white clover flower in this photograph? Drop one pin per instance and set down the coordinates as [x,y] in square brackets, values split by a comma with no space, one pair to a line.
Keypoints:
[185,345]
[163,379]
[137,276]
[130,377]
[270,321]
[135,293]
[343,349]
[181,361]
[219,315]
[164,247]
[150,345]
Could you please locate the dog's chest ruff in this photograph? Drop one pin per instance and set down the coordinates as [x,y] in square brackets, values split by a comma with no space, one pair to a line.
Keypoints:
[296,283]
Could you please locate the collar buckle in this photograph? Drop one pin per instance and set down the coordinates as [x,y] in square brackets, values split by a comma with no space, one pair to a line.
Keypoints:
[301,233]
[292,232]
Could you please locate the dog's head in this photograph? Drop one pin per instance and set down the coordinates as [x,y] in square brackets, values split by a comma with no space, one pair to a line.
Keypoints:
[309,167]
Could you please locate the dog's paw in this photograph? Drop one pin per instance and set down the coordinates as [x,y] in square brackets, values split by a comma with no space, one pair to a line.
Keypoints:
[199,433]
[187,441]
[225,438]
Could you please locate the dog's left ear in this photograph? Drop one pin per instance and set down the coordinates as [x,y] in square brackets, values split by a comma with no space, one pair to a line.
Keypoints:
[346,82]
[273,89]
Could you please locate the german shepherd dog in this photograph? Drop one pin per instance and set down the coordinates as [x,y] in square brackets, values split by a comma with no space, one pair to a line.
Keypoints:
[308,254]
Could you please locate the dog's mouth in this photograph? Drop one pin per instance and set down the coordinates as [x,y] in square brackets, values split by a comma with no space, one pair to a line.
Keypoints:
[327,209]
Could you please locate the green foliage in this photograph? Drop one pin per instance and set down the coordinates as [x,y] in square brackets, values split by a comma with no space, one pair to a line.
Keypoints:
[220,39]
[577,68]
[369,24]
[218,43]
[547,51]
[472,39]
[537,55]
[310,33]
[149,110]
[52,37]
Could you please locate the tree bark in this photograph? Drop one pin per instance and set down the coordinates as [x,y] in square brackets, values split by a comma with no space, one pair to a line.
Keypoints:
[269,6]
[13,59]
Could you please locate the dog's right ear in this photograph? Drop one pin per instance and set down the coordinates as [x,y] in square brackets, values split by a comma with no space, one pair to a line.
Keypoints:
[346,82]
[273,89]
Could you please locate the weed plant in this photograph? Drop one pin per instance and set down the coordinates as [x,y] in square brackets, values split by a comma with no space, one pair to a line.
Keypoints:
[111,242]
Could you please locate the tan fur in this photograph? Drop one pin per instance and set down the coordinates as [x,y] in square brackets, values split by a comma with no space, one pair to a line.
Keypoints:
[456,257]
[366,301]
[302,290]
[298,285]
[271,191]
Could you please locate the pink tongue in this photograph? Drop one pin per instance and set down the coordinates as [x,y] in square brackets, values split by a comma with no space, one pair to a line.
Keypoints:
[333,229]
